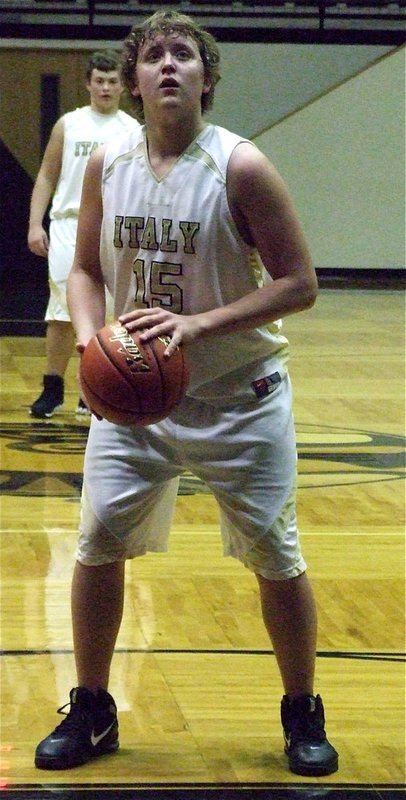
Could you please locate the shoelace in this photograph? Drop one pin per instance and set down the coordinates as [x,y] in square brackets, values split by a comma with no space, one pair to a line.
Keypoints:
[74,718]
[308,728]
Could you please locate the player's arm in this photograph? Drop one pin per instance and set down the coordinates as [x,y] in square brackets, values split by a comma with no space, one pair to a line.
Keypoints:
[266,218]
[85,288]
[44,187]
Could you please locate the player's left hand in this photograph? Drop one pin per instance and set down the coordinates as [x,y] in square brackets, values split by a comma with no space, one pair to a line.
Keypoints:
[159,322]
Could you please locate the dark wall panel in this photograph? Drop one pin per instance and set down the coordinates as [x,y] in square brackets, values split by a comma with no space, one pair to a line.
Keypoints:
[23,276]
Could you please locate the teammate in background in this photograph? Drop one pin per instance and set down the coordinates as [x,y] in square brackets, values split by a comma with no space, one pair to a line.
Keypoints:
[194,233]
[74,137]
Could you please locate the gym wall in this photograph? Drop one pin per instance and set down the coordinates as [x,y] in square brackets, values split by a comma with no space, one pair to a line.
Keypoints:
[329,116]
[343,159]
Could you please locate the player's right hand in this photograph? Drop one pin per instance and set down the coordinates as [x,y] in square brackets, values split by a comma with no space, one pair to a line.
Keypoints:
[38,241]
[80,348]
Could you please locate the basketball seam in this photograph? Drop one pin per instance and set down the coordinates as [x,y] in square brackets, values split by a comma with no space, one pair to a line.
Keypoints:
[104,400]
[127,380]
[140,399]
[152,354]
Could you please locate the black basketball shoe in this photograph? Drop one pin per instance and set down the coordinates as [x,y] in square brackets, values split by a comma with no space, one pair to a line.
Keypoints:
[89,730]
[51,399]
[82,409]
[306,745]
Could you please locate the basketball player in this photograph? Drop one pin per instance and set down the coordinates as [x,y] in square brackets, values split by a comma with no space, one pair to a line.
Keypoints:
[193,231]
[73,139]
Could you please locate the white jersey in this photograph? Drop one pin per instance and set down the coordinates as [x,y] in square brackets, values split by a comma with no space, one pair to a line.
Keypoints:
[172,242]
[84,130]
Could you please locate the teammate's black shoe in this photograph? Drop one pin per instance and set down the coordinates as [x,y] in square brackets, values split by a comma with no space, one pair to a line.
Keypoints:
[89,730]
[51,398]
[306,745]
[82,409]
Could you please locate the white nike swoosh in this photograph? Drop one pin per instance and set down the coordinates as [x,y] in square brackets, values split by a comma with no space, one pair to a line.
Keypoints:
[96,739]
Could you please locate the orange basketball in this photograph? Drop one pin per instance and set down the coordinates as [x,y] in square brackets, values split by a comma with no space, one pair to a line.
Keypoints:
[130,382]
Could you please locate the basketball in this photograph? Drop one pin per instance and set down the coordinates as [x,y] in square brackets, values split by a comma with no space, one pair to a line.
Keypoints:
[131,382]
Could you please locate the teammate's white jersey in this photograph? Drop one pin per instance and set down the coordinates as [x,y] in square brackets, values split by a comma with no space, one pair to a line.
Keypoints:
[84,130]
[172,242]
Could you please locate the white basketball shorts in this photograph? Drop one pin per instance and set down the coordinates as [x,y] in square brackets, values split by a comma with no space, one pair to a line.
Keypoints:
[62,242]
[246,454]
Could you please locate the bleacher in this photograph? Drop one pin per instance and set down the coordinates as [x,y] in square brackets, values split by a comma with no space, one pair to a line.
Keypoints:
[266,20]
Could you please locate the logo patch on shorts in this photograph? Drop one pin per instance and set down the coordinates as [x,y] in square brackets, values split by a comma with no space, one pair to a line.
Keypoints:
[264,386]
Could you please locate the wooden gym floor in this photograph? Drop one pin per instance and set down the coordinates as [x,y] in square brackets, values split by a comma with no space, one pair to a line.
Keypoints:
[194,675]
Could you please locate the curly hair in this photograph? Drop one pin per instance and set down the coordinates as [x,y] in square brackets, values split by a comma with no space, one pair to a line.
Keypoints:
[168,22]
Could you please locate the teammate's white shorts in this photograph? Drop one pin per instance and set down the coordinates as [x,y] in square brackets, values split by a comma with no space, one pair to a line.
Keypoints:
[62,241]
[246,454]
